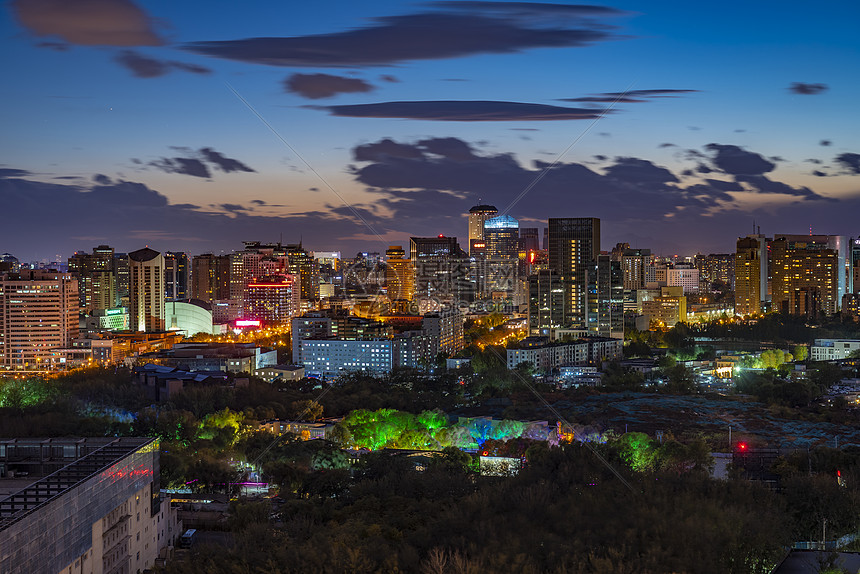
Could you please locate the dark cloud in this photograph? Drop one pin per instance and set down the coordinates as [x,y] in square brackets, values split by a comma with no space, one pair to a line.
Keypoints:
[737,161]
[11,172]
[444,174]
[182,165]
[813,160]
[632,96]
[807,89]
[130,215]
[601,157]
[144,67]
[197,163]
[850,161]
[232,207]
[762,184]
[776,158]
[825,143]
[225,164]
[469,28]
[258,202]
[389,78]
[819,173]
[88,22]
[464,111]
[56,46]
[662,145]
[317,86]
[102,179]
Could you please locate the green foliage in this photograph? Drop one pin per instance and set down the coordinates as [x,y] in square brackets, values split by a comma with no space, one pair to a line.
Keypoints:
[638,451]
[801,353]
[18,394]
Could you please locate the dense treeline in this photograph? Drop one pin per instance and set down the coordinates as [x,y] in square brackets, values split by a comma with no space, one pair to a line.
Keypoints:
[566,512]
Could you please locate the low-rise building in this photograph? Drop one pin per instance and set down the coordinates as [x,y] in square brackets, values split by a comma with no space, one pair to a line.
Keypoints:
[228,357]
[833,349]
[280,373]
[545,355]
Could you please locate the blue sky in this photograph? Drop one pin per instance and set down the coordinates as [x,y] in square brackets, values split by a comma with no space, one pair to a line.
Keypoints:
[743,111]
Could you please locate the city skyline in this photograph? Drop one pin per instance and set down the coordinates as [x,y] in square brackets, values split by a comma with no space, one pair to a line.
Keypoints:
[353,128]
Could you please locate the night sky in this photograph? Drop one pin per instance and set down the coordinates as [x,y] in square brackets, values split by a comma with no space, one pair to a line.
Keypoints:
[192,126]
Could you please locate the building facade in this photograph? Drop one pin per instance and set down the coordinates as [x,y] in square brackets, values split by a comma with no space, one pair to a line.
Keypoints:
[38,317]
[146,290]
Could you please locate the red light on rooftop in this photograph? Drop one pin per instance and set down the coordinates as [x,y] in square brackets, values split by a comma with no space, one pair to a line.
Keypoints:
[441,236]
[742,446]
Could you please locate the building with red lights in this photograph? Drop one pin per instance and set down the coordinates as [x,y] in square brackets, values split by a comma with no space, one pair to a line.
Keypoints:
[273,298]
[84,505]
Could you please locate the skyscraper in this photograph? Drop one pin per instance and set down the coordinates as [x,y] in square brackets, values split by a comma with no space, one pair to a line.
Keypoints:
[573,244]
[502,236]
[38,315]
[806,274]
[399,274]
[273,298]
[146,290]
[606,298]
[210,277]
[750,274]
[477,216]
[176,275]
[96,278]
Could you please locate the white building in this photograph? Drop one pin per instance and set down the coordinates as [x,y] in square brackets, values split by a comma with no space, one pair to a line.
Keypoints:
[831,349]
[685,276]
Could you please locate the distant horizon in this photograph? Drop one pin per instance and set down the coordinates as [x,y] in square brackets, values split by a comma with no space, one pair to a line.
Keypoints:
[136,122]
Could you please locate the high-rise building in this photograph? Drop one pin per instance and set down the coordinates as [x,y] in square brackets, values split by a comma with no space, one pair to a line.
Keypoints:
[683,275]
[477,216]
[606,298]
[146,290]
[716,268]
[273,298]
[502,235]
[304,266]
[855,265]
[573,244]
[547,300]
[399,274]
[529,239]
[121,273]
[38,316]
[806,274]
[750,274]
[441,267]
[176,275]
[96,278]
[210,277]
[633,264]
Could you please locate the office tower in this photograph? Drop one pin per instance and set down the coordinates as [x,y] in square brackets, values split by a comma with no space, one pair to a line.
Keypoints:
[668,309]
[477,216]
[716,269]
[96,278]
[502,236]
[399,274]
[121,274]
[146,290]
[855,265]
[606,298]
[529,239]
[446,329]
[573,244]
[806,274]
[441,267]
[683,275]
[498,271]
[176,271]
[210,277]
[750,286]
[633,265]
[273,298]
[303,265]
[38,315]
[86,505]
[547,309]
